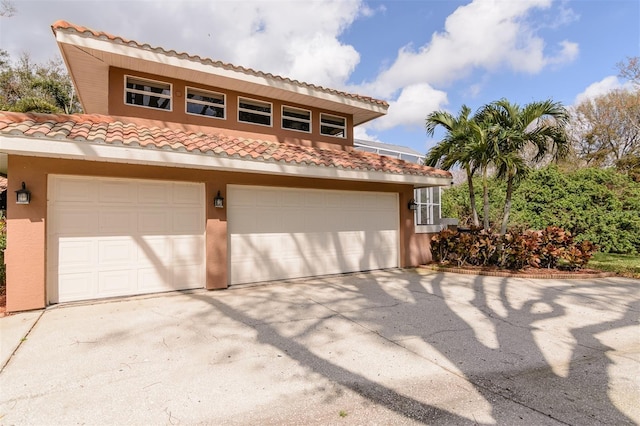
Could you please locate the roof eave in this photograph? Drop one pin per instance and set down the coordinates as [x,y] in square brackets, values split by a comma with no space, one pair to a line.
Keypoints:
[87,57]
[82,150]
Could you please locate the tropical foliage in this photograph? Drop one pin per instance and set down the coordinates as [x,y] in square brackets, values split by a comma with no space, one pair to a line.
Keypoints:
[455,149]
[502,136]
[549,248]
[513,129]
[600,205]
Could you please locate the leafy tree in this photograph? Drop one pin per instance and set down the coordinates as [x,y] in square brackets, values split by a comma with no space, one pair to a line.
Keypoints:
[452,150]
[29,87]
[606,131]
[540,125]
[630,69]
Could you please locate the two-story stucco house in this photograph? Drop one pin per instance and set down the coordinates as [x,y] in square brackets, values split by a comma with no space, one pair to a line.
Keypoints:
[185,172]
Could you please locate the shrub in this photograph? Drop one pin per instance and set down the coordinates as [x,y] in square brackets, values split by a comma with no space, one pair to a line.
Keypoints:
[551,247]
[598,205]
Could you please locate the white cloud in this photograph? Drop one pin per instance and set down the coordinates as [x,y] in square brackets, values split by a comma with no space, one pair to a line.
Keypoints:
[287,37]
[487,34]
[412,106]
[302,40]
[602,87]
[362,132]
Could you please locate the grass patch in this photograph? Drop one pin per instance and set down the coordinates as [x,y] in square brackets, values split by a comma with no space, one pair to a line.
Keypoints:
[627,265]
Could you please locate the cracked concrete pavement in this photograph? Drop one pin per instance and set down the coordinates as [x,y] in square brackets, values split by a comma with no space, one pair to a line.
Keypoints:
[387,347]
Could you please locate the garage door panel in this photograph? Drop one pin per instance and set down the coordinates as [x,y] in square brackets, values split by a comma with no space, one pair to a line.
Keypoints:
[153,250]
[77,286]
[153,193]
[123,237]
[116,192]
[118,251]
[187,250]
[187,277]
[116,222]
[267,198]
[116,282]
[74,191]
[78,221]
[279,233]
[186,221]
[153,221]
[75,253]
[154,279]
[186,194]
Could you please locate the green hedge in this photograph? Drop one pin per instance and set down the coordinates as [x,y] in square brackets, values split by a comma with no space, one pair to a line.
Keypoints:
[599,205]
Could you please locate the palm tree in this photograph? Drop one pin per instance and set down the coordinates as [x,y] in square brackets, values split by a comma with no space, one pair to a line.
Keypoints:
[540,125]
[453,149]
[480,149]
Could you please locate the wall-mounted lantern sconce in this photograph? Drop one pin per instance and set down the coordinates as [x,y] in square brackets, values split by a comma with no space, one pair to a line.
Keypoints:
[412,205]
[218,201]
[23,196]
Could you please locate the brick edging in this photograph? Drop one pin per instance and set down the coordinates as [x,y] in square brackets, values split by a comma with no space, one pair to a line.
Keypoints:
[507,274]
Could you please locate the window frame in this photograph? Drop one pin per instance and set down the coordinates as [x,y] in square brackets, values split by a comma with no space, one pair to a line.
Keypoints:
[343,128]
[430,204]
[199,102]
[145,93]
[296,119]
[251,111]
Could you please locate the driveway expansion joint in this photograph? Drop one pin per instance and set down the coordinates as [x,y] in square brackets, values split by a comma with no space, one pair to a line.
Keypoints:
[22,340]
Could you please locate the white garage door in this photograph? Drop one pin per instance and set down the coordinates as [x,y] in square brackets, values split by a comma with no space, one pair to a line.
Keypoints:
[278,233]
[115,237]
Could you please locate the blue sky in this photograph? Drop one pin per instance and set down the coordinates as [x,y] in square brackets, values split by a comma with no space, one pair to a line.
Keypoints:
[420,56]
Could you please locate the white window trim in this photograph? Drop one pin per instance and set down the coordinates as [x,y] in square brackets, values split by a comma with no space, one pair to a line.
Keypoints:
[343,128]
[436,226]
[195,101]
[142,92]
[429,229]
[300,120]
[270,114]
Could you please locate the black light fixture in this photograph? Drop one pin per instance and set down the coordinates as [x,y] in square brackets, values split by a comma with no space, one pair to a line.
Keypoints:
[218,201]
[23,196]
[412,205]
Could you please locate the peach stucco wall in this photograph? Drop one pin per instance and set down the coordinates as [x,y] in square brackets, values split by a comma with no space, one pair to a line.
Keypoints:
[177,117]
[25,252]
[26,225]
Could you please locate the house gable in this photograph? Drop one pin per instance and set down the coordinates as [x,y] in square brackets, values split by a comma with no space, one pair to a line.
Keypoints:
[91,55]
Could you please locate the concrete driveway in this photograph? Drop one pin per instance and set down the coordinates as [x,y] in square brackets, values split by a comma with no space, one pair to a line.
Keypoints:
[389,347]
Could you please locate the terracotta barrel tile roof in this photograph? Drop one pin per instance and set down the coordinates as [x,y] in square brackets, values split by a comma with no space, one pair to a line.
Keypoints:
[107,130]
[62,25]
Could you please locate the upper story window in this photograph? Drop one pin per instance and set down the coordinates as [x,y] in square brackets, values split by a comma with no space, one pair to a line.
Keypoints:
[296,119]
[428,201]
[203,102]
[147,93]
[333,126]
[252,111]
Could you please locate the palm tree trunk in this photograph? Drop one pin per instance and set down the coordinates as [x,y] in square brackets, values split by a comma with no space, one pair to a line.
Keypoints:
[472,199]
[507,205]
[485,199]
